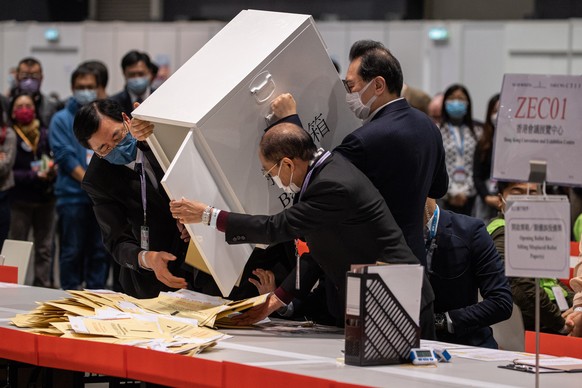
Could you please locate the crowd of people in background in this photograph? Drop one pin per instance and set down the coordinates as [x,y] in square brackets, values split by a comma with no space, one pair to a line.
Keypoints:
[42,167]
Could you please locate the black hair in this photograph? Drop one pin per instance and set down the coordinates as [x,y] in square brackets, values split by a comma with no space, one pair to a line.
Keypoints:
[88,118]
[468,118]
[287,140]
[99,68]
[84,70]
[133,57]
[486,141]
[377,60]
[28,61]
[13,101]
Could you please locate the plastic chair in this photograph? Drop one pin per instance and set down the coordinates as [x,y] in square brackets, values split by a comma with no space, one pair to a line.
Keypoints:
[509,334]
[554,344]
[17,254]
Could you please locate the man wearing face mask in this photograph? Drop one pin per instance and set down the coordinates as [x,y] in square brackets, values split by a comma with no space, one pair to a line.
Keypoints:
[398,147]
[137,70]
[131,206]
[82,257]
[338,212]
[29,78]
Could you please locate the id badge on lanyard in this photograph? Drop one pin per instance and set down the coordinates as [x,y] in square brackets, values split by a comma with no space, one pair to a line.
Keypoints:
[459,173]
[145,230]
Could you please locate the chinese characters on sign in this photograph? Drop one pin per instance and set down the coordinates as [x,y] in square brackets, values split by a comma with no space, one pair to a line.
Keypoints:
[537,236]
[540,118]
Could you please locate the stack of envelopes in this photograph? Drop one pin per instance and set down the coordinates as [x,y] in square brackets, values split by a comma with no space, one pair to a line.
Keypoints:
[177,322]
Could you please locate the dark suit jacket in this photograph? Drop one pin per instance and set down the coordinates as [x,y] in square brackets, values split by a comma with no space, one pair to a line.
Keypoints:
[343,219]
[124,99]
[401,151]
[465,262]
[116,195]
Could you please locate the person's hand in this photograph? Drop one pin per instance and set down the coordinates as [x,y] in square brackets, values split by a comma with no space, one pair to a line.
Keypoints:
[140,129]
[2,156]
[187,212]
[184,235]
[493,201]
[283,105]
[574,321]
[266,282]
[258,313]
[158,262]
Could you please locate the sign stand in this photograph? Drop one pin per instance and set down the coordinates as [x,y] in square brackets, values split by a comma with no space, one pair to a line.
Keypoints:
[537,174]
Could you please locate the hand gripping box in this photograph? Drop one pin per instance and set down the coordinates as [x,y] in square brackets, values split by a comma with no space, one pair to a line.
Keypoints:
[210,115]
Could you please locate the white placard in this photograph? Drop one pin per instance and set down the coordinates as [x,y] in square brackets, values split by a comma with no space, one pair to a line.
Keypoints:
[537,236]
[540,118]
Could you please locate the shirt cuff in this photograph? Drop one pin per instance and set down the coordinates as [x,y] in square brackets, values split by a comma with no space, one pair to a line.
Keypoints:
[283,295]
[222,220]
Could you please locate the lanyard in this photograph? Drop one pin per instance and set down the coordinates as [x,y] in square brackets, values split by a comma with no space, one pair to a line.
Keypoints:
[431,239]
[142,178]
[308,177]
[459,139]
[303,188]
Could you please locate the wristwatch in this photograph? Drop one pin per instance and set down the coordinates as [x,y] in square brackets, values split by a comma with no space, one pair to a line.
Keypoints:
[440,322]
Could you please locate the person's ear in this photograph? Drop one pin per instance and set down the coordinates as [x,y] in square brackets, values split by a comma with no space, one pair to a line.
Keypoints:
[379,85]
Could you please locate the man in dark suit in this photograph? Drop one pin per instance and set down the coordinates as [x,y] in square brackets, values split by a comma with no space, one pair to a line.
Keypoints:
[398,147]
[121,195]
[339,213]
[138,73]
[462,261]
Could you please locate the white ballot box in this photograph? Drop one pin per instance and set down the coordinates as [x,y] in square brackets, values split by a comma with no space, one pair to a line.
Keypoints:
[222,95]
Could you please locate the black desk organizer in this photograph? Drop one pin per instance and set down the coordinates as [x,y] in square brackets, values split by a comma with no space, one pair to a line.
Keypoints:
[383,333]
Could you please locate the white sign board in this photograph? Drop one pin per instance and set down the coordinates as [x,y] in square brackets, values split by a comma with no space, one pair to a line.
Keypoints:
[537,236]
[540,118]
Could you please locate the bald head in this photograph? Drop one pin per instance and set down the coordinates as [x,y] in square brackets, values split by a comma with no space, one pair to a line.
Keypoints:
[287,140]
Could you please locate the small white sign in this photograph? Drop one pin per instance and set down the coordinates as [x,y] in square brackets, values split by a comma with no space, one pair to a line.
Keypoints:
[540,118]
[537,236]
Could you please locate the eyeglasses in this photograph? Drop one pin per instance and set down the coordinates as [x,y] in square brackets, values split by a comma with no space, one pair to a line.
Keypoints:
[347,86]
[23,75]
[267,173]
[105,149]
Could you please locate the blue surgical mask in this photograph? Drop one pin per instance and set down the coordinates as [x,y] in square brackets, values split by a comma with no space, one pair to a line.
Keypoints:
[138,85]
[85,96]
[125,152]
[456,109]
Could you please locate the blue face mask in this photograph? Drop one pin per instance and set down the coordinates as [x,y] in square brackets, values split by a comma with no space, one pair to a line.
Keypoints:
[456,109]
[138,85]
[125,152]
[85,96]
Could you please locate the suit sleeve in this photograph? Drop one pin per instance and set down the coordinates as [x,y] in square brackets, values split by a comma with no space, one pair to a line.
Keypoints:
[117,234]
[494,287]
[352,148]
[324,203]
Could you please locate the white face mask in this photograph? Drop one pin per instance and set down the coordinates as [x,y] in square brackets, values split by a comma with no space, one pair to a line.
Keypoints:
[291,189]
[494,119]
[354,100]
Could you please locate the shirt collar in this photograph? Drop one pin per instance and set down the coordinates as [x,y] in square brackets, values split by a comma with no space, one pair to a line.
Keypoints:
[381,107]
